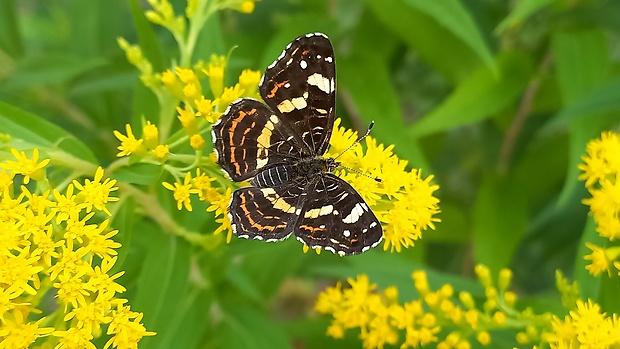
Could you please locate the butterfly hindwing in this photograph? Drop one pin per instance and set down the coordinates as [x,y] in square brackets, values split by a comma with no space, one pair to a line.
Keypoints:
[301,86]
[336,218]
[250,137]
[265,213]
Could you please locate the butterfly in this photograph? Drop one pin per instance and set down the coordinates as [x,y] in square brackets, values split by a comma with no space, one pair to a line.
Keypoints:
[279,145]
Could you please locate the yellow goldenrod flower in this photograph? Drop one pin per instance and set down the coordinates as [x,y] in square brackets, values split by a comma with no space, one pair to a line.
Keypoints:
[161,151]
[602,161]
[248,81]
[72,289]
[101,281]
[230,95]
[202,183]
[29,168]
[151,135]
[101,244]
[188,119]
[505,276]
[89,315]
[499,318]
[601,171]
[585,327]
[163,14]
[483,337]
[215,72]
[601,259]
[205,108]
[219,204]
[21,271]
[6,179]
[197,142]
[192,89]
[74,337]
[66,204]
[126,328]
[96,193]
[182,192]
[191,92]
[77,228]
[170,80]
[129,144]
[136,57]
[45,246]
[16,333]
[37,202]
[191,7]
[246,6]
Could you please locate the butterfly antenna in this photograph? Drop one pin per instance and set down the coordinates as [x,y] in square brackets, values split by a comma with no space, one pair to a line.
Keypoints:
[359,139]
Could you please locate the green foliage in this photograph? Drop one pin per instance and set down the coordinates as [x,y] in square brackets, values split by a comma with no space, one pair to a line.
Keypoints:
[497,99]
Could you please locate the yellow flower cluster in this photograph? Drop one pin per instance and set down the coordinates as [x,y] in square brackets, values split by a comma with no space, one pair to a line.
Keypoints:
[584,327]
[147,145]
[601,172]
[50,243]
[456,319]
[201,185]
[402,200]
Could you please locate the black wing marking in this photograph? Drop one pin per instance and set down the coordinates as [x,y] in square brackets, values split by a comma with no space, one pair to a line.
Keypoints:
[301,86]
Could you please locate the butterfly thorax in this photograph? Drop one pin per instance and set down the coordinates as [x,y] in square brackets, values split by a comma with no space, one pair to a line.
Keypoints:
[301,172]
[308,168]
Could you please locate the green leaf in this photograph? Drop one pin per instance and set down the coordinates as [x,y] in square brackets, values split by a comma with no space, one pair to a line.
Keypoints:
[39,132]
[123,222]
[523,10]
[139,173]
[48,70]
[391,269]
[162,284]
[372,97]
[582,65]
[499,222]
[603,99]
[248,328]
[479,96]
[187,325]
[453,16]
[211,40]
[268,265]
[589,286]
[436,43]
[10,33]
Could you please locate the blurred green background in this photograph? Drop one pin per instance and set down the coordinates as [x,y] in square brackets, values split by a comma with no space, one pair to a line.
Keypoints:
[496,99]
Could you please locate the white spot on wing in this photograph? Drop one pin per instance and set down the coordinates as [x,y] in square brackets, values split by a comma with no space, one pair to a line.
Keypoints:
[321,82]
[356,212]
[346,233]
[303,64]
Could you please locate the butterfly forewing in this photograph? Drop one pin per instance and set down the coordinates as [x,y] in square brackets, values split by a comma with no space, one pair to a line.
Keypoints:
[334,217]
[301,86]
[250,137]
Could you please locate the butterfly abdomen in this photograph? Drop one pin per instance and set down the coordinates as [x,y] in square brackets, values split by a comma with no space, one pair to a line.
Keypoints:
[273,176]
